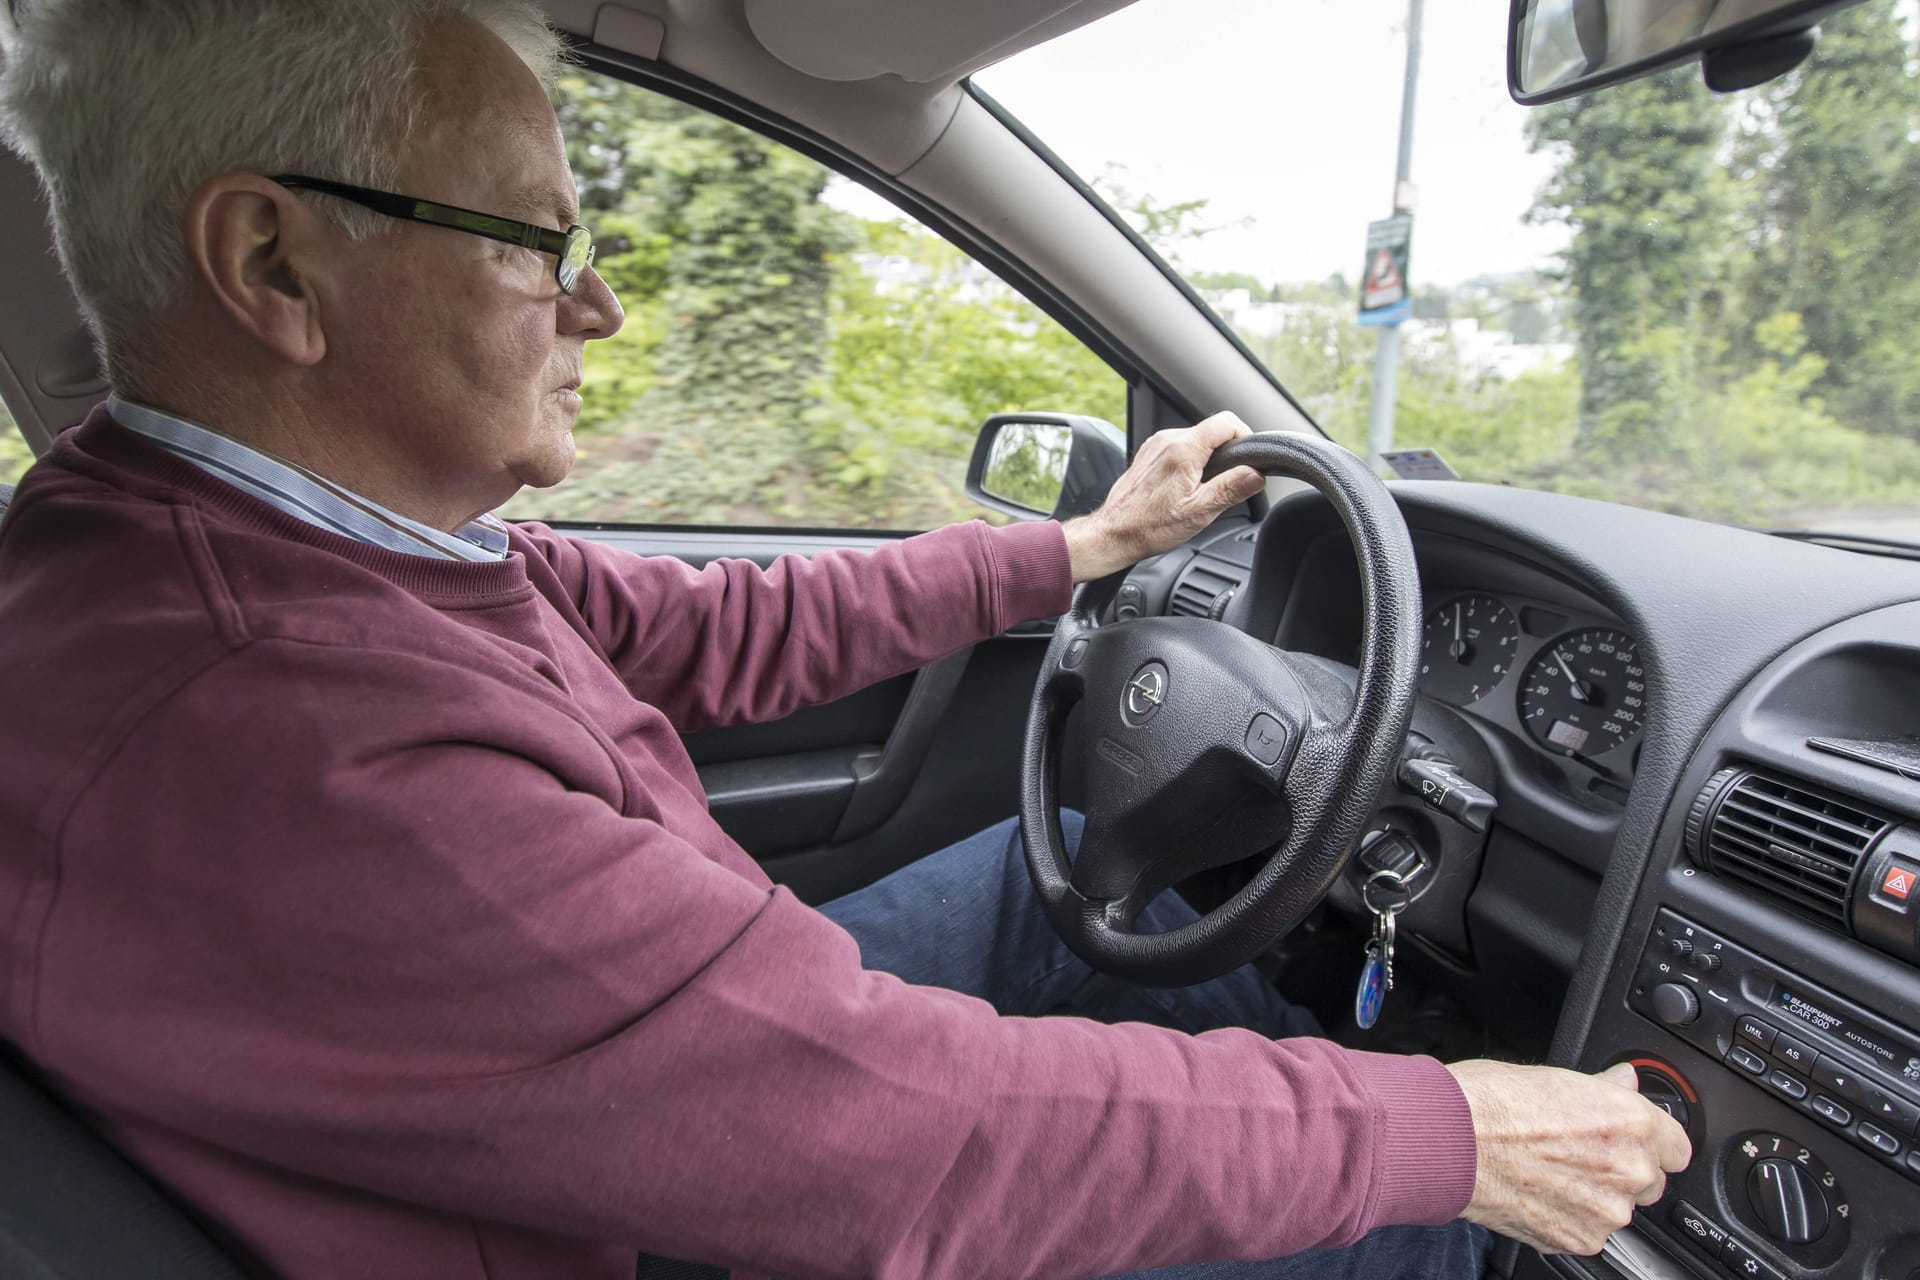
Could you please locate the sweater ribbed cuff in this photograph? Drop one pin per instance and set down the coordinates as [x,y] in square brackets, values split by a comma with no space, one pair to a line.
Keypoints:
[1425,1156]
[1034,575]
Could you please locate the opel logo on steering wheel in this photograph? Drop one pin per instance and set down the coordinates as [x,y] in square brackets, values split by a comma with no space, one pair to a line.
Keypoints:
[1145,693]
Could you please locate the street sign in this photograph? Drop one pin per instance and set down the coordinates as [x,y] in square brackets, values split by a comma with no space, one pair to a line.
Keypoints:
[1383,283]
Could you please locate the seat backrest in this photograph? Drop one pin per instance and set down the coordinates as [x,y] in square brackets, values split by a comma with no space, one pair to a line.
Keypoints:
[72,1209]
[6,496]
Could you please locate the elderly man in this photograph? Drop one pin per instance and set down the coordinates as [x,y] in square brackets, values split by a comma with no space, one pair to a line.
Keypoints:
[356,882]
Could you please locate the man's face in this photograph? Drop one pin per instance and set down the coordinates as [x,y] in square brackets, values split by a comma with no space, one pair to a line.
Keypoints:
[463,350]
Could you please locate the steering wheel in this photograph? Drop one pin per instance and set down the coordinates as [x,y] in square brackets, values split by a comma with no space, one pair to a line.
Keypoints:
[1206,745]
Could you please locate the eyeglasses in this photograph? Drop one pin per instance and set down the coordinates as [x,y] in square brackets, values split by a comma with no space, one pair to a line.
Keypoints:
[573,247]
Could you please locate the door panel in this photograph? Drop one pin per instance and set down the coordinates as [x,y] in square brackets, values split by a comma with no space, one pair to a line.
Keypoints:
[832,797]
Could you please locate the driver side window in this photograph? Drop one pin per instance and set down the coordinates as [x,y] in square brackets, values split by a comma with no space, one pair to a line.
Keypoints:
[796,351]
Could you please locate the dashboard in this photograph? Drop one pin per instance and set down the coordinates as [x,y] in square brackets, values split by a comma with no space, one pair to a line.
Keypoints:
[1705,747]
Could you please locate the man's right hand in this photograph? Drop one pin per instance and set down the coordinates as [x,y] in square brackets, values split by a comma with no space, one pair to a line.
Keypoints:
[1565,1157]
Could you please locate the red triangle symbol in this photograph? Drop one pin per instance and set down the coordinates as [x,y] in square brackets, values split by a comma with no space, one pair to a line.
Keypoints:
[1384,274]
[1898,883]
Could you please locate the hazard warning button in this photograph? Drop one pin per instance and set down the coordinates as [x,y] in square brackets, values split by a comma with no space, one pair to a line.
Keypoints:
[1899,881]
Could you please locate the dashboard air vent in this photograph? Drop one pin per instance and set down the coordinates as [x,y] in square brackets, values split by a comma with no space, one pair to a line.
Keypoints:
[1795,840]
[1199,588]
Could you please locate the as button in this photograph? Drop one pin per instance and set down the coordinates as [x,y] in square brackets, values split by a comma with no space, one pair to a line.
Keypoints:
[1796,1055]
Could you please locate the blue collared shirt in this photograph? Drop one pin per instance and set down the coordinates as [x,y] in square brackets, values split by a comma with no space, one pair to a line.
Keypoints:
[306,495]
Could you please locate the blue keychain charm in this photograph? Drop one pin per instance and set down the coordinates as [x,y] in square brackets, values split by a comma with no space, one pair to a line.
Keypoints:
[1373,988]
[1385,895]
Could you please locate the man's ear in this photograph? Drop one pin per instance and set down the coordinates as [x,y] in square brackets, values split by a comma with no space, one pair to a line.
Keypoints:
[256,247]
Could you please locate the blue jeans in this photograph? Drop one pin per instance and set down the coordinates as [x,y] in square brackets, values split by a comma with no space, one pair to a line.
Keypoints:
[966,919]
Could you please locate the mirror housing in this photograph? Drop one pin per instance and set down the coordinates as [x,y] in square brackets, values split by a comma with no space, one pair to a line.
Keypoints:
[1040,466]
[1561,48]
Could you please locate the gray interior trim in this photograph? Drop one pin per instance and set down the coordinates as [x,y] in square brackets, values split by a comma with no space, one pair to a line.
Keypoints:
[928,41]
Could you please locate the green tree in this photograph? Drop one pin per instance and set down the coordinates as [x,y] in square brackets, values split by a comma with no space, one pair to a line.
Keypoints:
[923,346]
[1836,168]
[1639,184]
[782,361]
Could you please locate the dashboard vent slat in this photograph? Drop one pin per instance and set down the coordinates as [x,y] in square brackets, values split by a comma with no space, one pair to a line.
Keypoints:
[1794,840]
[1199,587]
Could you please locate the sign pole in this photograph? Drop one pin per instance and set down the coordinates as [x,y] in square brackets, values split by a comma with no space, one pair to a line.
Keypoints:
[1386,359]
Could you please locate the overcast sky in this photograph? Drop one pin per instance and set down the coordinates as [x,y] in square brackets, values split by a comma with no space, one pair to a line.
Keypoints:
[1286,113]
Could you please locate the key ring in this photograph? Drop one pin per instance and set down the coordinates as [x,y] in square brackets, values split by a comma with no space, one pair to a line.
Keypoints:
[1401,887]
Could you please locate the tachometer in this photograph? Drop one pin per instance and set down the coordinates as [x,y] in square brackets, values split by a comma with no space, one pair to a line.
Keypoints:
[1467,649]
[1586,693]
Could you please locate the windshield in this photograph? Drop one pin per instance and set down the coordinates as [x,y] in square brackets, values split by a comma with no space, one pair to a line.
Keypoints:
[1652,294]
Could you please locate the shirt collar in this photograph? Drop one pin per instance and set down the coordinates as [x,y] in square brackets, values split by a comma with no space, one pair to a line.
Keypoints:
[306,494]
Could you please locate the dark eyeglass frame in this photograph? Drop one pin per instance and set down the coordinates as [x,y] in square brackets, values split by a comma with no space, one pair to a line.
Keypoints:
[573,247]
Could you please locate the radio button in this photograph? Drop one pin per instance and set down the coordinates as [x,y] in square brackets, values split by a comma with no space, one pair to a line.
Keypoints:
[1885,1143]
[1796,1055]
[1781,1082]
[1890,1110]
[1755,1030]
[1830,1111]
[1747,1060]
[1836,1076]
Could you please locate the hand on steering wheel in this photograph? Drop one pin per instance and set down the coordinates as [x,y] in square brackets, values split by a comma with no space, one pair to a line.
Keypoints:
[1206,745]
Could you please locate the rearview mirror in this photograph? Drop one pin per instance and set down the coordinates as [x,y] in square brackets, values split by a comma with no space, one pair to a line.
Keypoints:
[1041,465]
[1559,48]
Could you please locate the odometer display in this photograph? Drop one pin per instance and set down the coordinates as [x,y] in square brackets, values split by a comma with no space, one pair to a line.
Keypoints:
[1467,648]
[1585,694]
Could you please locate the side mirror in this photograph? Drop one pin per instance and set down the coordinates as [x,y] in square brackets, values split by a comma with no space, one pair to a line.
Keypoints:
[1045,465]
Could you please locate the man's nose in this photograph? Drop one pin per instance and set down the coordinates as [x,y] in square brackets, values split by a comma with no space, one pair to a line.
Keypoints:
[591,309]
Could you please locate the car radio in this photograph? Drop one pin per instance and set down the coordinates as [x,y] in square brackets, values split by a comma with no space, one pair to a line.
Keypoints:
[1854,1072]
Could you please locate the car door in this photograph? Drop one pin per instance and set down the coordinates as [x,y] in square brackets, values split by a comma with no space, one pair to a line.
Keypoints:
[803,367]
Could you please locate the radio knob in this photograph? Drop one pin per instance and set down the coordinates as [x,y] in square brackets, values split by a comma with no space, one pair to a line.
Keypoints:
[1706,961]
[1674,1005]
[1680,947]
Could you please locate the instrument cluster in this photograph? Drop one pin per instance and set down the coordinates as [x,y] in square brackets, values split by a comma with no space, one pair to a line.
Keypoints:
[1573,685]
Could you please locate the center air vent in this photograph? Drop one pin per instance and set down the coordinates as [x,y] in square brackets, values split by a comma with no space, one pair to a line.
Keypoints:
[1796,841]
[1200,589]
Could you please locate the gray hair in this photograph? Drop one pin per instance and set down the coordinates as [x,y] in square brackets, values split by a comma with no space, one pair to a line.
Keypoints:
[125,107]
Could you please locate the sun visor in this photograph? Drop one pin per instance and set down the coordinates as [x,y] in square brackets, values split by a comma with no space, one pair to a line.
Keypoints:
[923,41]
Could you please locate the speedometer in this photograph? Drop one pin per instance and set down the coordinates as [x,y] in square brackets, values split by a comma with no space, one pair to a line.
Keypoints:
[1466,649]
[1586,693]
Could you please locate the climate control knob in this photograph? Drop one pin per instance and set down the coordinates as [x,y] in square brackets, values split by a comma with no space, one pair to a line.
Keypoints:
[1788,1201]
[1674,1005]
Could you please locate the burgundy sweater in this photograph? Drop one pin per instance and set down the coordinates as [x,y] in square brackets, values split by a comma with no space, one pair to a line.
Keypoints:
[371,903]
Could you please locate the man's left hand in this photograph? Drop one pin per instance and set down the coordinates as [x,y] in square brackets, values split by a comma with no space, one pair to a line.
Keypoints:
[1161,501]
